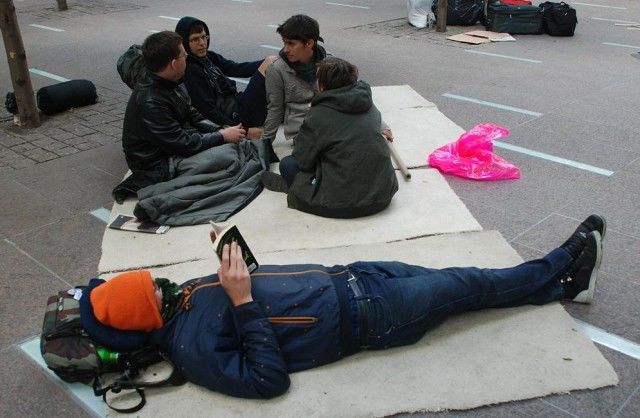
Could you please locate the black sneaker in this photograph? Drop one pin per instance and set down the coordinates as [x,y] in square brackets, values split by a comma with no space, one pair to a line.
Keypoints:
[576,241]
[579,282]
[274,182]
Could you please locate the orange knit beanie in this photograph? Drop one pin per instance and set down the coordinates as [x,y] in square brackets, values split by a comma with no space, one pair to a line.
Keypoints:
[127,302]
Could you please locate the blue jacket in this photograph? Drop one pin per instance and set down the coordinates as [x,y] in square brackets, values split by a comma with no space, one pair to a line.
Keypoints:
[299,319]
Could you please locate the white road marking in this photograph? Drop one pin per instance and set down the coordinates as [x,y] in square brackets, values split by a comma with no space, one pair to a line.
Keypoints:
[275,48]
[273,26]
[243,1]
[600,5]
[491,104]
[153,31]
[612,341]
[347,5]
[621,45]
[473,51]
[169,17]
[553,158]
[48,75]
[614,20]
[102,213]
[46,27]
[240,80]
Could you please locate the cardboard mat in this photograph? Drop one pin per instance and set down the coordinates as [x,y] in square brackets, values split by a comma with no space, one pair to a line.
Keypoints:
[473,359]
[425,205]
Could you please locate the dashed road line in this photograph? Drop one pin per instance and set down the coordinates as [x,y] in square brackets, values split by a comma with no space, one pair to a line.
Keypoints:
[46,27]
[275,48]
[273,26]
[243,1]
[347,5]
[472,51]
[491,104]
[153,31]
[600,5]
[48,75]
[614,20]
[621,45]
[553,158]
[169,17]
[239,80]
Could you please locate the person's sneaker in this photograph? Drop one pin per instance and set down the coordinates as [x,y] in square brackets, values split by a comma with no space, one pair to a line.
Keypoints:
[274,182]
[579,282]
[576,241]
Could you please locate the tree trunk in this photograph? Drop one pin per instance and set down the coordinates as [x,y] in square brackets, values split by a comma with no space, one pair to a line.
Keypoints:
[18,67]
[441,16]
[62,5]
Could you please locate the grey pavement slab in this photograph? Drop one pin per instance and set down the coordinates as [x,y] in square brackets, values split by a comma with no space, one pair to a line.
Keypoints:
[425,204]
[77,246]
[532,343]
[28,392]
[34,209]
[24,291]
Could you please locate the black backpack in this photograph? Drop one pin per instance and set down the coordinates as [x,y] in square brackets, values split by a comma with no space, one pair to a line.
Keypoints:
[559,19]
[131,66]
[70,352]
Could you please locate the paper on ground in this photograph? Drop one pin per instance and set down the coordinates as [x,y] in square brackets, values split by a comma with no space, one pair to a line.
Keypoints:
[424,205]
[471,360]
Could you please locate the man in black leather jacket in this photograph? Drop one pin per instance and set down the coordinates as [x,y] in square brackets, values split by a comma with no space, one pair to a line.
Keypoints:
[160,123]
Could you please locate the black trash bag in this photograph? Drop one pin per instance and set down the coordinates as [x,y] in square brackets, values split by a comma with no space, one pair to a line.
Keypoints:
[64,96]
[461,12]
[11,104]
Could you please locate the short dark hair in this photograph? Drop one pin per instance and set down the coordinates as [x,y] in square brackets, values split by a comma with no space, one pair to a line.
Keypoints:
[159,49]
[196,28]
[300,28]
[333,73]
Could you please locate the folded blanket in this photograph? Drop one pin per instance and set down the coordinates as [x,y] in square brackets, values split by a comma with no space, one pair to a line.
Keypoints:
[213,184]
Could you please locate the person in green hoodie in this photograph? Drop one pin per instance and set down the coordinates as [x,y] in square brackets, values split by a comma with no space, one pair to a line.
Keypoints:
[340,166]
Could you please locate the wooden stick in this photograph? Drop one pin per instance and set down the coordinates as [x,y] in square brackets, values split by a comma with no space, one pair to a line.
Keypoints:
[396,157]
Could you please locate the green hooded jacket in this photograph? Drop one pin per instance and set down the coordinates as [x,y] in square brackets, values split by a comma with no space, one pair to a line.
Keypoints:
[346,170]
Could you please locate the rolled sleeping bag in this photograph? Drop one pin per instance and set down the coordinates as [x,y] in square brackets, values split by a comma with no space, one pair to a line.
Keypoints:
[64,96]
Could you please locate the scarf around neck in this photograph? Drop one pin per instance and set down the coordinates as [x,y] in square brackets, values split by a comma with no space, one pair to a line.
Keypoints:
[171,298]
[306,71]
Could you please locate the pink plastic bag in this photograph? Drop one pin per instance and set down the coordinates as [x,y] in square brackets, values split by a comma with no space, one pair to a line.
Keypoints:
[472,157]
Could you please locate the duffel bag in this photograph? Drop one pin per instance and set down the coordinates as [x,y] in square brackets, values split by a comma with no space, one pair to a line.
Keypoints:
[516,2]
[559,18]
[64,96]
[461,12]
[514,19]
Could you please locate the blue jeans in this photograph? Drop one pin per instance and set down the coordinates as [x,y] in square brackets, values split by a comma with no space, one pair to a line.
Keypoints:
[251,104]
[404,301]
[288,169]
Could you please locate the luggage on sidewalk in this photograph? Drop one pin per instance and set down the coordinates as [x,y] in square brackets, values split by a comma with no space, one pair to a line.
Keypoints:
[59,97]
[514,19]
[516,2]
[461,12]
[559,18]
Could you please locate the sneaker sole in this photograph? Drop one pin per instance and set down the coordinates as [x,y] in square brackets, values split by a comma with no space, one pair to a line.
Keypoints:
[586,296]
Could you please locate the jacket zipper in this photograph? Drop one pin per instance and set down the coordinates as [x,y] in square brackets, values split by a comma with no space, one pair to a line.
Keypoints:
[189,291]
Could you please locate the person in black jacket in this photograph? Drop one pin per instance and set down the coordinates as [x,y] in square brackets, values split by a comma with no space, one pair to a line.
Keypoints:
[159,122]
[242,334]
[213,93]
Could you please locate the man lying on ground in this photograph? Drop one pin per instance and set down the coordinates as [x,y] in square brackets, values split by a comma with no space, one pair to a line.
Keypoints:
[340,166]
[159,123]
[242,334]
[212,92]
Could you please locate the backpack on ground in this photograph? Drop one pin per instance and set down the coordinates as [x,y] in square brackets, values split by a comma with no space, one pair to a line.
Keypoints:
[72,355]
[559,18]
[130,66]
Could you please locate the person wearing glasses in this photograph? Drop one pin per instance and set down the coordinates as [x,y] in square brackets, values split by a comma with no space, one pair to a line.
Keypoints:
[213,93]
[160,124]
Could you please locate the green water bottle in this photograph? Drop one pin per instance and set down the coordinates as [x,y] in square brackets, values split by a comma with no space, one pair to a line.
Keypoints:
[107,357]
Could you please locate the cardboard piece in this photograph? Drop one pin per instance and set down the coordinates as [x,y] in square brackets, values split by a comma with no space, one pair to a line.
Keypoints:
[468,39]
[471,360]
[492,36]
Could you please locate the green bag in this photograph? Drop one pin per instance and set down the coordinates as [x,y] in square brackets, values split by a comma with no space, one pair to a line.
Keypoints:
[514,19]
[131,66]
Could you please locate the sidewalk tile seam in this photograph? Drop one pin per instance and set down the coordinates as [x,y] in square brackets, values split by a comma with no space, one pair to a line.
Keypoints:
[624,404]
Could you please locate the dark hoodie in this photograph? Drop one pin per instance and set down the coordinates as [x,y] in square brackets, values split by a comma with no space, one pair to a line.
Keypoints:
[345,161]
[207,79]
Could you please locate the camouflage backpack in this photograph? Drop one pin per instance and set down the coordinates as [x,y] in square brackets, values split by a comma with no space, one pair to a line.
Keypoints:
[70,352]
[131,66]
